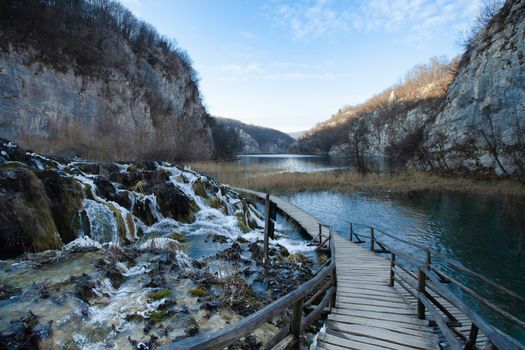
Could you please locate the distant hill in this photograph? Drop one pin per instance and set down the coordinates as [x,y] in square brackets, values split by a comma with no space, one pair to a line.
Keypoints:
[256,139]
[297,134]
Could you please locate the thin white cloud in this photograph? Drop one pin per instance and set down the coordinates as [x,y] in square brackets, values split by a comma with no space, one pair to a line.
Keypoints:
[413,21]
[273,71]
[242,68]
[248,35]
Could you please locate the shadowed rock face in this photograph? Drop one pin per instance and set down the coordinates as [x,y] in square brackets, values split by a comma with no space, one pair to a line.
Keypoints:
[26,220]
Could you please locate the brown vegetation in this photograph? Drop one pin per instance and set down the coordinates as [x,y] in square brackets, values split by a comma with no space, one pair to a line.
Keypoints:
[269,180]
[425,84]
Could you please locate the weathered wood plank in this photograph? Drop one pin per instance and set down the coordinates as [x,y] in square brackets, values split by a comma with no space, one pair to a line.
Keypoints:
[383,334]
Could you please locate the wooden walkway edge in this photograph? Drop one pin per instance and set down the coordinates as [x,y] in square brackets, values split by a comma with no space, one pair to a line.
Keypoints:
[368,314]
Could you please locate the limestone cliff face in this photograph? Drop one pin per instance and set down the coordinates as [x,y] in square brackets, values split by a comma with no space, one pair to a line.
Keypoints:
[470,123]
[145,107]
[482,124]
[80,77]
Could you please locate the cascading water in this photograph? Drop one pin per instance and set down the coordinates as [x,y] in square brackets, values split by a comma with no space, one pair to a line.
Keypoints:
[102,222]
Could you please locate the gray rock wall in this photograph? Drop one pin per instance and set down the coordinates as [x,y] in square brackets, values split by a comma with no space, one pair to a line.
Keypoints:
[138,105]
[483,116]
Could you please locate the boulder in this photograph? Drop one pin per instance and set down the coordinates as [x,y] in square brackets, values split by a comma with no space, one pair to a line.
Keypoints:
[26,220]
[174,203]
[65,197]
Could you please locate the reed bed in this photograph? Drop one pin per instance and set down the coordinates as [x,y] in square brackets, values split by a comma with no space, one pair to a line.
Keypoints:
[264,179]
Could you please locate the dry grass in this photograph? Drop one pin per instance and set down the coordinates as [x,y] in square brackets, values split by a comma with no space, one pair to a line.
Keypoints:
[270,180]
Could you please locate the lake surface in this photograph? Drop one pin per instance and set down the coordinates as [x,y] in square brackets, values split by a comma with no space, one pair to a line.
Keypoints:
[312,163]
[484,233]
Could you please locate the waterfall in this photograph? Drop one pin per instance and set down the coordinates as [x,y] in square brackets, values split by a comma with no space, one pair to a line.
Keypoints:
[102,222]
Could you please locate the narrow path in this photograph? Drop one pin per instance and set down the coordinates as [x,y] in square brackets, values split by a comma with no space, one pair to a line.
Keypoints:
[368,314]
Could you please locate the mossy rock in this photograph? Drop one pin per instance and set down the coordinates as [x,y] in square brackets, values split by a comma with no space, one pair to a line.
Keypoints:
[174,203]
[133,317]
[299,258]
[242,223]
[199,189]
[215,202]
[132,169]
[121,224]
[89,168]
[142,210]
[26,223]
[160,294]
[88,192]
[283,251]
[182,179]
[160,315]
[178,237]
[198,292]
[66,200]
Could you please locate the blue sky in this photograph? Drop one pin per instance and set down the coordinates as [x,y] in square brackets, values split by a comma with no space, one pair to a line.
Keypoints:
[291,64]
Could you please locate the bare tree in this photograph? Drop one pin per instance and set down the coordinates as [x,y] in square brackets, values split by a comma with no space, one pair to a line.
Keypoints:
[491,136]
[359,143]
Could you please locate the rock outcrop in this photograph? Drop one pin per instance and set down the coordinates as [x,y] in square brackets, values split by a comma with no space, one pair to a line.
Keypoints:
[482,124]
[472,122]
[76,84]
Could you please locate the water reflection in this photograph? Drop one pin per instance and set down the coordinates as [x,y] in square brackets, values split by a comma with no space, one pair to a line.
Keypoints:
[313,163]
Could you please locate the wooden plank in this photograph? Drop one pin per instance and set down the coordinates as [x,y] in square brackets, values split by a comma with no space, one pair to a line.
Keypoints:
[399,304]
[386,335]
[413,329]
[360,341]
[377,315]
[347,343]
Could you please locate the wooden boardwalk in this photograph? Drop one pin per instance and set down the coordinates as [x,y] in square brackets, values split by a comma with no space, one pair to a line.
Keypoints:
[368,314]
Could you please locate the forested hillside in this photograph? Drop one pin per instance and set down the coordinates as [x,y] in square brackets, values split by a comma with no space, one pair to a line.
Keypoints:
[255,139]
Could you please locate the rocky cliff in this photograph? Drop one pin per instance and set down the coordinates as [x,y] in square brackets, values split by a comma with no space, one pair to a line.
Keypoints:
[88,78]
[389,124]
[256,139]
[481,126]
[463,117]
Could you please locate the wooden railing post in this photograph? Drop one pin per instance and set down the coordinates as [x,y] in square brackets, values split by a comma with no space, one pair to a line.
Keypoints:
[351,233]
[392,266]
[333,283]
[472,337]
[372,238]
[421,291]
[295,325]
[427,259]
[320,234]
[266,230]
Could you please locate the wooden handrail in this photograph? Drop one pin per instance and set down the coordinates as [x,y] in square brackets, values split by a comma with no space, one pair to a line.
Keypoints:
[295,299]
[443,258]
[427,302]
